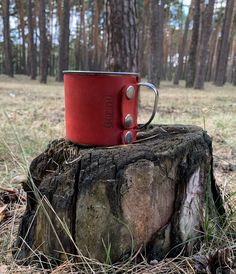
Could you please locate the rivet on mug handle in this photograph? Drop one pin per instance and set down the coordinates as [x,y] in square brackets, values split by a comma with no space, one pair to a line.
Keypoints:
[156,92]
[130,92]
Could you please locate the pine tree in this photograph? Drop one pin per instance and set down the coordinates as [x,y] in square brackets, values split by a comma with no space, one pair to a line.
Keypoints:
[63,61]
[43,43]
[156,40]
[222,57]
[122,38]
[31,43]
[191,67]
[206,29]
[8,65]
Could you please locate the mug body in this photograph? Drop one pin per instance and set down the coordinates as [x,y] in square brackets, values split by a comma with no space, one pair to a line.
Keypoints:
[98,110]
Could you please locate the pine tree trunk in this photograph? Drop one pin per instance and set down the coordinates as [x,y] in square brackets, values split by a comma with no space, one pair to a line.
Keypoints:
[8,65]
[234,70]
[50,29]
[43,42]
[32,46]
[95,37]
[222,59]
[191,67]
[166,50]
[144,38]
[206,29]
[169,63]
[214,67]
[232,49]
[23,59]
[182,47]
[63,60]
[83,49]
[59,11]
[213,47]
[114,201]
[77,47]
[122,36]
[156,41]
[21,11]
[18,54]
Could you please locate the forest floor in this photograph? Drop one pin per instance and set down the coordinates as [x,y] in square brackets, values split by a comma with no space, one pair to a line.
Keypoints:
[32,114]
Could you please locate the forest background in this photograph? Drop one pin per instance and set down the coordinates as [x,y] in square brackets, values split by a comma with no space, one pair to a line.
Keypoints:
[163,40]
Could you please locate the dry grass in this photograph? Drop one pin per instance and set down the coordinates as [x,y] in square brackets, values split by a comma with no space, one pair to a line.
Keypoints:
[32,114]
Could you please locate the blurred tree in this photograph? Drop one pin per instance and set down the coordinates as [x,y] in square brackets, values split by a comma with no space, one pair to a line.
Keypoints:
[50,35]
[8,66]
[63,61]
[213,47]
[156,40]
[59,11]
[143,35]
[234,69]
[43,42]
[173,35]
[222,57]
[31,43]
[81,53]
[234,52]
[206,28]
[20,7]
[182,46]
[122,37]
[95,45]
[167,41]
[232,49]
[191,67]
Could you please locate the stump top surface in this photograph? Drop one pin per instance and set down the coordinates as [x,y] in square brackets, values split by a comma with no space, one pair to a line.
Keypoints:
[158,138]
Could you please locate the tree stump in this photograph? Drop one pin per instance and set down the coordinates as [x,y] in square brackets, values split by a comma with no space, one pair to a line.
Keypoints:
[108,202]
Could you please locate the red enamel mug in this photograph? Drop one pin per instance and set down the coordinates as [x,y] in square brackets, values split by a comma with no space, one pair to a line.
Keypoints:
[101,108]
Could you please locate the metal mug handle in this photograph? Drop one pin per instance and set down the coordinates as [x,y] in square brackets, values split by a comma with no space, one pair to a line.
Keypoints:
[156,92]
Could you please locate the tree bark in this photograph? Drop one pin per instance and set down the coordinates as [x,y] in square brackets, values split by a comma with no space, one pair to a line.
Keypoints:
[224,45]
[204,45]
[50,28]
[21,11]
[156,41]
[8,65]
[82,52]
[232,49]
[114,201]
[59,11]
[43,42]
[63,61]
[191,68]
[122,37]
[167,41]
[95,37]
[143,34]
[32,46]
[234,70]
[213,47]
[182,47]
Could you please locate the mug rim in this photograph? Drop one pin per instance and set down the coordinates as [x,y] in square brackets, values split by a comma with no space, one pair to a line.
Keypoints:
[98,73]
